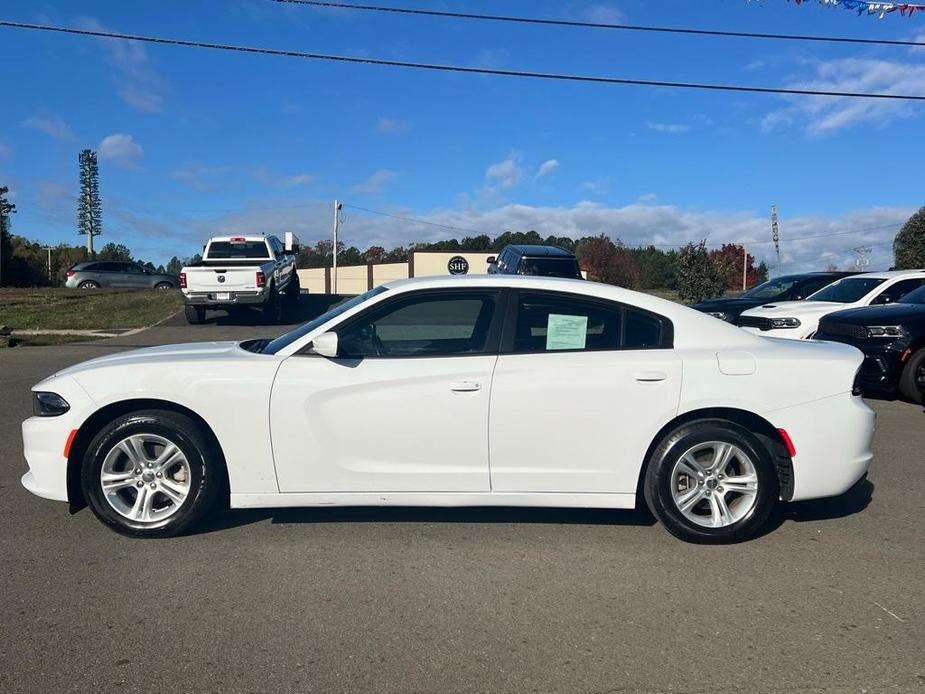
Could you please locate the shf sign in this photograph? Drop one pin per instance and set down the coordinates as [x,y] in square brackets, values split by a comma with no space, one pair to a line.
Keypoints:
[457,265]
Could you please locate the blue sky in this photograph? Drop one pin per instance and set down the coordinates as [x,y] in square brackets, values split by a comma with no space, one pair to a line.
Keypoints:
[195,142]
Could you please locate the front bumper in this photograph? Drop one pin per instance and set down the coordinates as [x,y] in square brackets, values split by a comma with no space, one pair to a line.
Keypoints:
[832,438]
[43,440]
[240,298]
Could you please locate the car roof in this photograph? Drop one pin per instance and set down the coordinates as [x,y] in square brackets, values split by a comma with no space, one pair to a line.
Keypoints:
[535,249]
[246,237]
[891,274]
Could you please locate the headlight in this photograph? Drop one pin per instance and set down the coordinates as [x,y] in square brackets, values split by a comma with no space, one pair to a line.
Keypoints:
[48,404]
[886,331]
[785,323]
[721,315]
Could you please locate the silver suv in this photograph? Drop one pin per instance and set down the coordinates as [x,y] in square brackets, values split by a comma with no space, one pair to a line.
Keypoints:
[94,274]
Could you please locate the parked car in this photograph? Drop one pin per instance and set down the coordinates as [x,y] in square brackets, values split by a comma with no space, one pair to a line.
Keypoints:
[800,319]
[892,338]
[384,400]
[239,271]
[542,261]
[94,274]
[784,288]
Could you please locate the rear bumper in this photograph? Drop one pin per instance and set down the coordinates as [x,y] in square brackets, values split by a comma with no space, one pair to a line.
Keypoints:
[242,298]
[832,438]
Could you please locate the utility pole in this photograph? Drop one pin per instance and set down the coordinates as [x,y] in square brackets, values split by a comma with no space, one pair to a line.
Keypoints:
[775,235]
[863,259]
[744,267]
[337,208]
[49,249]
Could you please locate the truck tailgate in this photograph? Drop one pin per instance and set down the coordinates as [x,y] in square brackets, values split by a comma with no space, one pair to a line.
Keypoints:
[219,278]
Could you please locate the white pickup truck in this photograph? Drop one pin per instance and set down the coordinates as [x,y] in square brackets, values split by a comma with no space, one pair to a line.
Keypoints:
[257,271]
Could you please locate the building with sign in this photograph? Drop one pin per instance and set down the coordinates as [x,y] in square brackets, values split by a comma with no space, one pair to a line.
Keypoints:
[356,279]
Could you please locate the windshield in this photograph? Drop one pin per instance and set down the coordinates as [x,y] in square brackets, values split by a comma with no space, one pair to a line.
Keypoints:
[227,250]
[846,291]
[770,289]
[304,329]
[916,296]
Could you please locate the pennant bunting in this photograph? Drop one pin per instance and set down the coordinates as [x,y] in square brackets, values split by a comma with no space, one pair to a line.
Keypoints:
[867,7]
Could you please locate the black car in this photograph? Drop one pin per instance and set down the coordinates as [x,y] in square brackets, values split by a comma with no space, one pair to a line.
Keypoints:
[544,261]
[892,338]
[783,288]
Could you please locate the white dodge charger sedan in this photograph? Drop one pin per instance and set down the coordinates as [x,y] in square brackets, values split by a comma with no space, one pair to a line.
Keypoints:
[799,320]
[488,390]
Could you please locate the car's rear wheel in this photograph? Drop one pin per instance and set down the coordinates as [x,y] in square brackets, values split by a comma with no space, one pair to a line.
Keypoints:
[89,284]
[273,308]
[909,384]
[711,481]
[194,314]
[151,473]
[163,285]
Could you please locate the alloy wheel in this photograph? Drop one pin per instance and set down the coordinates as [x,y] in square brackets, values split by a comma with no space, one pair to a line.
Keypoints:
[714,484]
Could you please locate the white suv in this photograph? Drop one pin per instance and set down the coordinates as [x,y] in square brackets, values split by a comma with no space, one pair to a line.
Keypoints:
[800,319]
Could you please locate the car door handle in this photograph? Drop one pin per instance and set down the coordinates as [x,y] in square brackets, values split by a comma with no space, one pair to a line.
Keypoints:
[650,376]
[465,386]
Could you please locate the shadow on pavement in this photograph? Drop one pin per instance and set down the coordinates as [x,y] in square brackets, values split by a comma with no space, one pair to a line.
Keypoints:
[853,501]
[308,307]
[225,519]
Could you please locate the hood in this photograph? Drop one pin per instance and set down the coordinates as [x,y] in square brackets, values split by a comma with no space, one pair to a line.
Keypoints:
[879,315]
[730,304]
[794,309]
[195,351]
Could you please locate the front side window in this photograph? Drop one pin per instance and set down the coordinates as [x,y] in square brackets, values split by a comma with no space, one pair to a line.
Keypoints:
[846,291]
[441,324]
[897,291]
[131,267]
[552,322]
[770,289]
[914,297]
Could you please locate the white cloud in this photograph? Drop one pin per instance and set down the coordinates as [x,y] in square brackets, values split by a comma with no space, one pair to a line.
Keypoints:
[375,183]
[635,224]
[601,13]
[823,115]
[263,174]
[506,173]
[755,65]
[547,167]
[139,84]
[392,126]
[56,203]
[53,126]
[672,128]
[5,151]
[121,149]
[598,186]
[201,178]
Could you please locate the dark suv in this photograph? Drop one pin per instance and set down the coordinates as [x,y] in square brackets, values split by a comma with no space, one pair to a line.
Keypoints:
[783,288]
[892,338]
[94,274]
[543,261]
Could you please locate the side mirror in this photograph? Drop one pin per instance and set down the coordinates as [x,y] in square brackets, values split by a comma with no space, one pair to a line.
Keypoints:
[491,260]
[325,345]
[882,299]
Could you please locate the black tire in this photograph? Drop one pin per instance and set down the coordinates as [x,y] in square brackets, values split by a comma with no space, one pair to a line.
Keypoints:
[89,284]
[293,288]
[194,314]
[163,285]
[672,448]
[273,308]
[908,387]
[203,476]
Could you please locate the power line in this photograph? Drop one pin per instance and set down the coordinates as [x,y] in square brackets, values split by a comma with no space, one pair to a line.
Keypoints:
[455,68]
[599,25]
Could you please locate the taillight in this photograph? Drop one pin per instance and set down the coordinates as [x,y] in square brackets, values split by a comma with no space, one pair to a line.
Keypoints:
[182,280]
[70,273]
[788,442]
[261,279]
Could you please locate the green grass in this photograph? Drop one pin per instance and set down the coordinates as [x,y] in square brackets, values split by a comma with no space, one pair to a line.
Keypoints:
[81,309]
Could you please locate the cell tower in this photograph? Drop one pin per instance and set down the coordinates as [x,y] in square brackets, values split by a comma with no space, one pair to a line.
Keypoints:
[89,205]
[863,259]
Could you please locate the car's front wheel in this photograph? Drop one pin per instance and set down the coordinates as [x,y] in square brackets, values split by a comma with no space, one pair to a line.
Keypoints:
[151,473]
[909,383]
[711,481]
[163,285]
[89,284]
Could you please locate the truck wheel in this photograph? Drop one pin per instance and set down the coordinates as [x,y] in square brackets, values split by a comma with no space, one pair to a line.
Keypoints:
[292,291]
[195,314]
[907,385]
[273,308]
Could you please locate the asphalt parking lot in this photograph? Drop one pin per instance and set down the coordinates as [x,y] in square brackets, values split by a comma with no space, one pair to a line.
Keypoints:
[832,599]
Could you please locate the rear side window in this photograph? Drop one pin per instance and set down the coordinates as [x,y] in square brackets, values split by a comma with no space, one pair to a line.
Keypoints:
[555,322]
[896,291]
[230,250]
